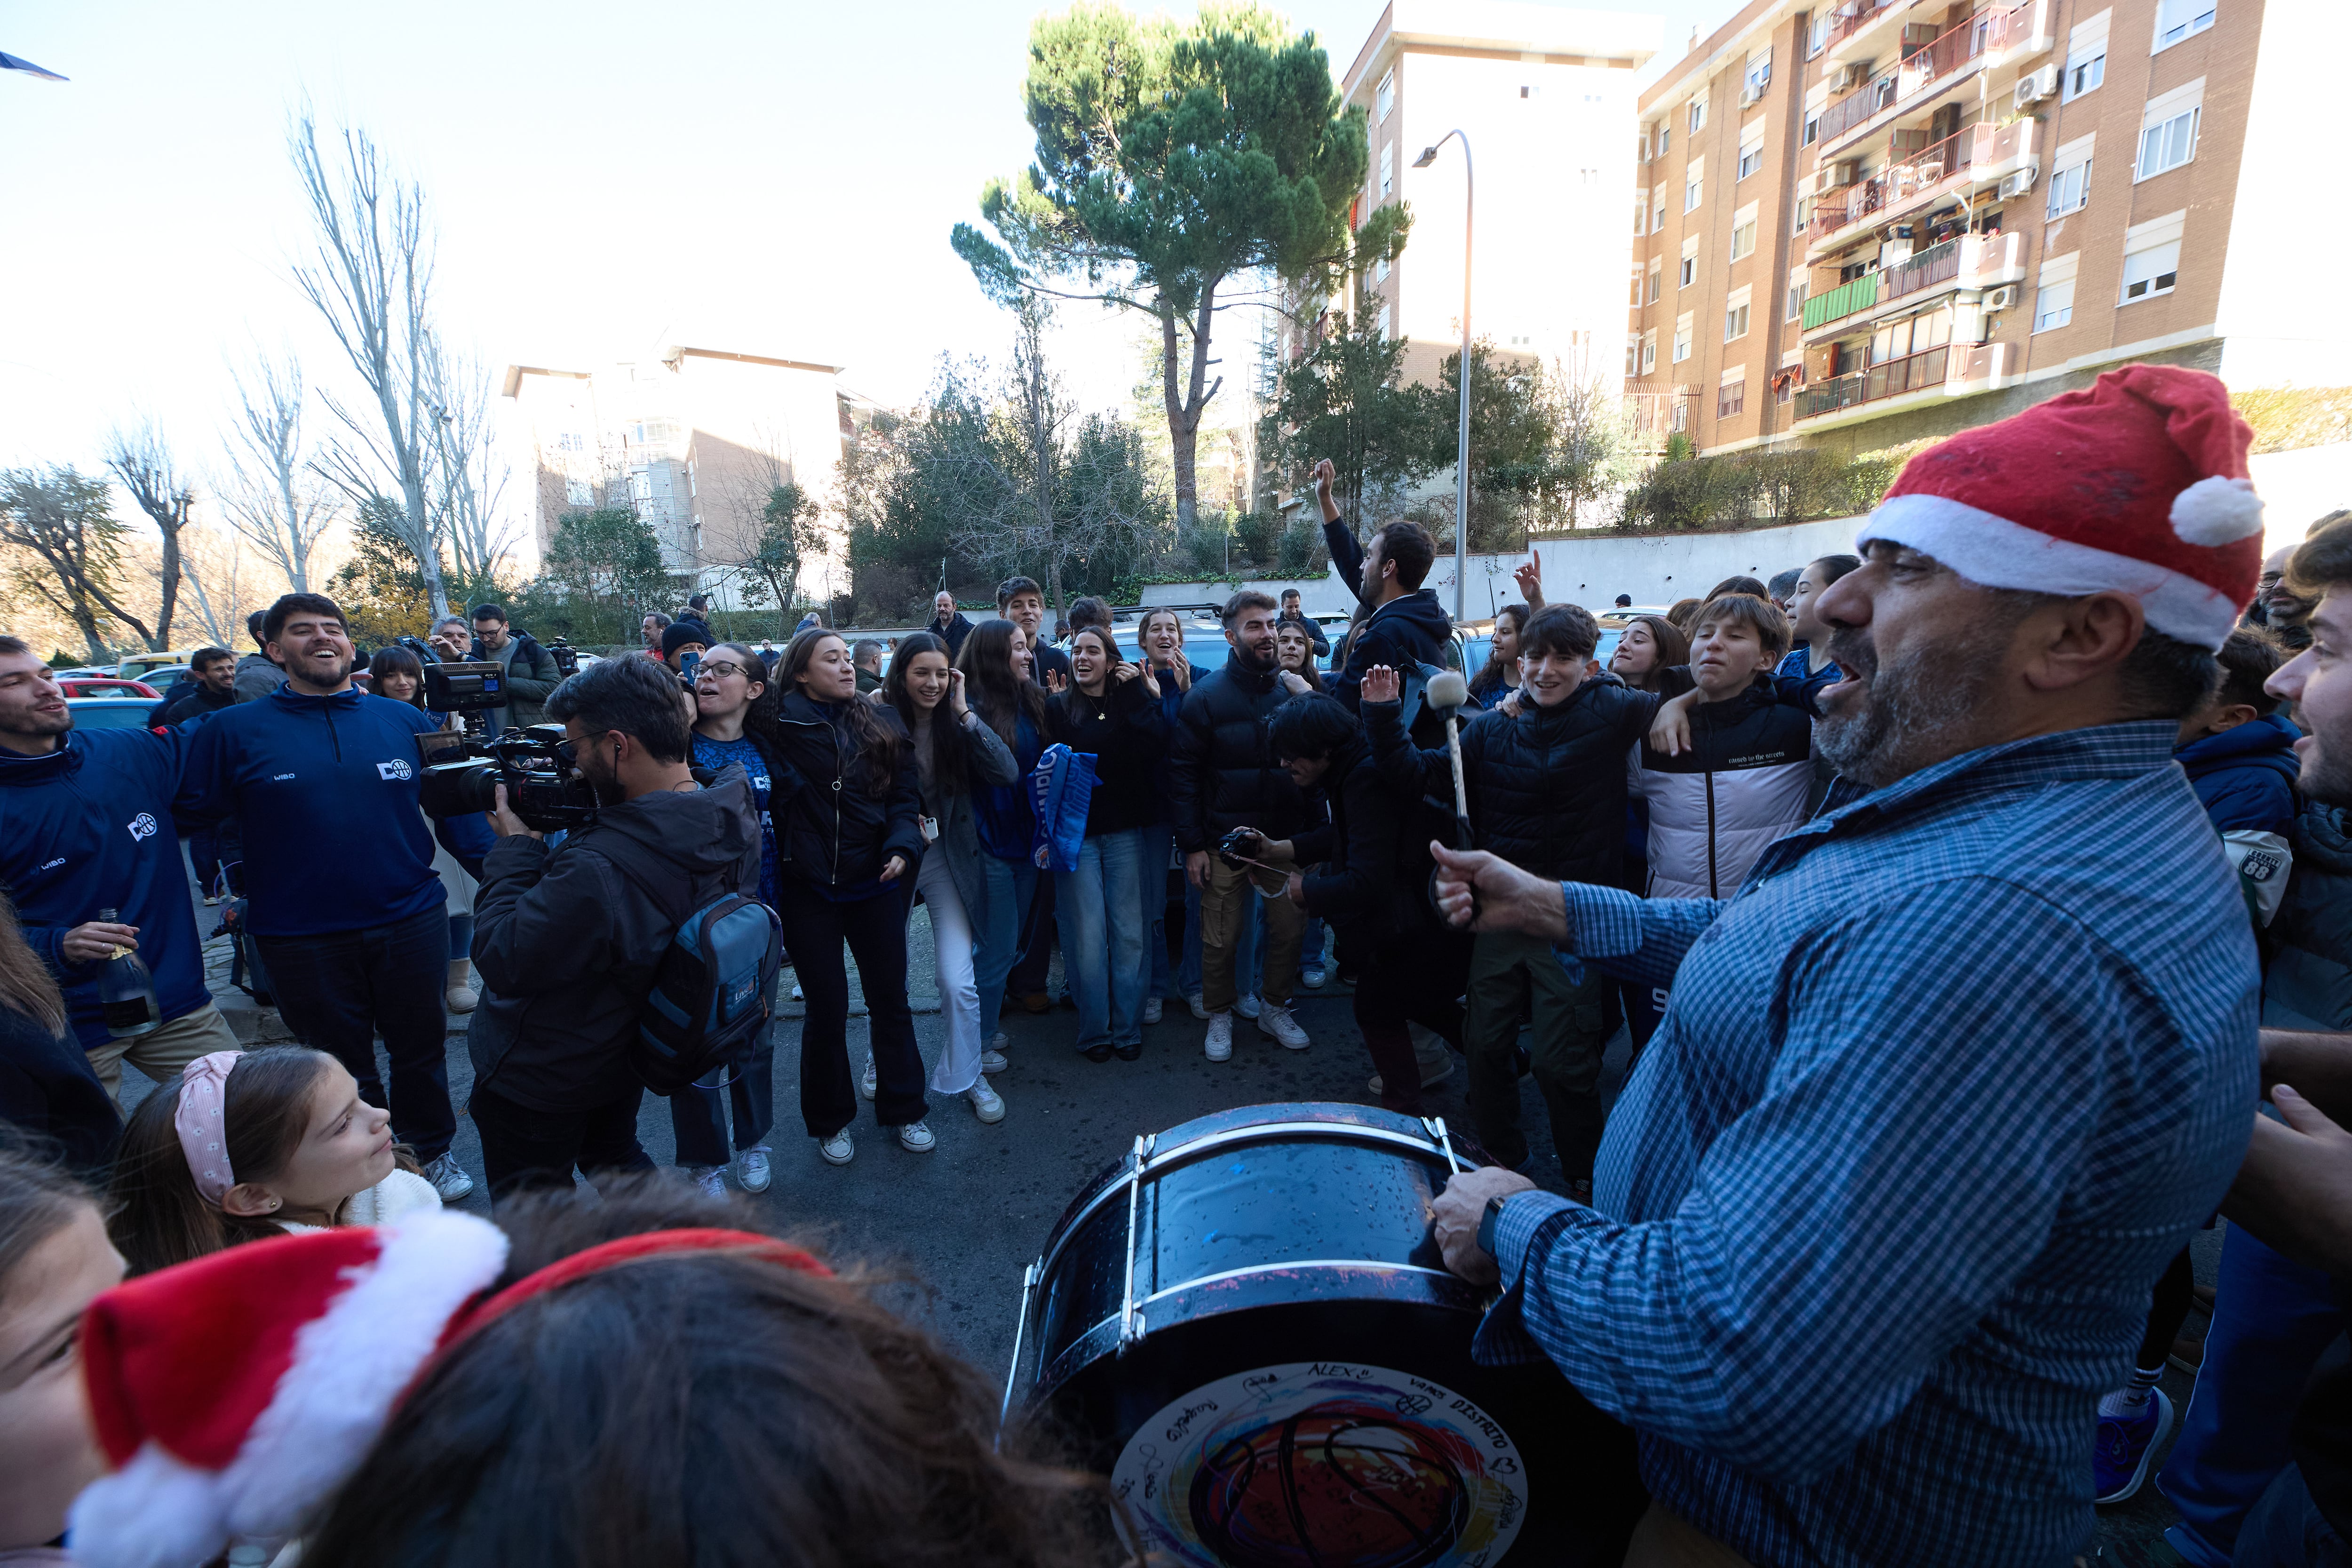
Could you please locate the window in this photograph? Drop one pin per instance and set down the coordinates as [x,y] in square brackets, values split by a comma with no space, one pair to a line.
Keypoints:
[1698,115]
[1657,276]
[1759,73]
[1649,351]
[1812,127]
[2169,143]
[576,493]
[1633,353]
[1817,38]
[1751,158]
[571,441]
[2084,75]
[1642,146]
[1380,270]
[1743,240]
[641,485]
[1590,176]
[1693,190]
[1735,323]
[2178,19]
[1731,397]
[1384,323]
[2054,305]
[1665,137]
[1388,171]
[1796,301]
[2151,272]
[1657,208]
[2070,184]
[1682,415]
[1689,273]
[1384,96]
[1637,285]
[1641,212]
[1683,337]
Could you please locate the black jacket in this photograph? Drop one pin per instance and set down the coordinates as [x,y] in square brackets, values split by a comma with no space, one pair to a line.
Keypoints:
[1373,881]
[48,1089]
[952,634]
[1221,772]
[1546,788]
[568,942]
[832,829]
[202,700]
[1127,738]
[1315,637]
[1401,634]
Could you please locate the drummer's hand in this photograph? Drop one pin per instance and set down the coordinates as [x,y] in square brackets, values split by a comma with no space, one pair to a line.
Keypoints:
[1498,894]
[1454,1219]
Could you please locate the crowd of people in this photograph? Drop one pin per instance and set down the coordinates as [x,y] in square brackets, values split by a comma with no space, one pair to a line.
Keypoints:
[1962,899]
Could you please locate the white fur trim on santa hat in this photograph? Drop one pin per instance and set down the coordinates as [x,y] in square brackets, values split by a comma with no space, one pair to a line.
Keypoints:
[350,1363]
[1991,550]
[2215,511]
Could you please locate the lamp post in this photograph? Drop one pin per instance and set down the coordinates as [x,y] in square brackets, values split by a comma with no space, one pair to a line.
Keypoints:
[1462,435]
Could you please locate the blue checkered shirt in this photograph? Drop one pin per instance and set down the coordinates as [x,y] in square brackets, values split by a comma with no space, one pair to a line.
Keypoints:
[1937,1095]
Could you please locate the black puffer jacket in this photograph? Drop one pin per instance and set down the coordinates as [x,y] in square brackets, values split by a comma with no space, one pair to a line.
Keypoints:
[1412,630]
[1373,879]
[1546,788]
[1128,738]
[832,829]
[1221,772]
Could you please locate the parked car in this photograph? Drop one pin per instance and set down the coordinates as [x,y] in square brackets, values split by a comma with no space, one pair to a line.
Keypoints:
[138,665]
[110,713]
[79,686]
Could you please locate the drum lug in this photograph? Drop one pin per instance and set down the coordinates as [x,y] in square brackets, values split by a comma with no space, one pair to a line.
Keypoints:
[1131,1322]
[1437,1126]
[1020,1326]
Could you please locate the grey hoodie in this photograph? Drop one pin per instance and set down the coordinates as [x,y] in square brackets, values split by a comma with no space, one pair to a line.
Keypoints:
[567,943]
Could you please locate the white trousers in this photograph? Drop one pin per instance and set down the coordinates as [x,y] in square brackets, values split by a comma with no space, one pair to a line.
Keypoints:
[951,939]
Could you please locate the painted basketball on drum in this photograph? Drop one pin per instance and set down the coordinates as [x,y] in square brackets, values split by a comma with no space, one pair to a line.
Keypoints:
[1341,1482]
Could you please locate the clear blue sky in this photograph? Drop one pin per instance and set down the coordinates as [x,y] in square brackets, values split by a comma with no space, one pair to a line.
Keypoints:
[779,177]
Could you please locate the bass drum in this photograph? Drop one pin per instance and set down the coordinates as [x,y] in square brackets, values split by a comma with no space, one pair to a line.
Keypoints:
[1247,1325]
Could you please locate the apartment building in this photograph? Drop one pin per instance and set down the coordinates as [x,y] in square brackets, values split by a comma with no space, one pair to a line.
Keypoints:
[1872,222]
[1545,99]
[694,438]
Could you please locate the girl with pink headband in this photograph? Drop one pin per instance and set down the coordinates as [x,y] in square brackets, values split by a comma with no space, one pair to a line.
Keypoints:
[253,1144]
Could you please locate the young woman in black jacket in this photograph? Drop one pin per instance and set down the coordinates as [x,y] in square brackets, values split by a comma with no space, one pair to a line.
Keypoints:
[847,813]
[1108,711]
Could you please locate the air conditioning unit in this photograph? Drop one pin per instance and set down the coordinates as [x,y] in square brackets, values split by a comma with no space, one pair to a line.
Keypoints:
[2020,183]
[1843,173]
[1750,94]
[1848,76]
[1999,299]
[2035,86]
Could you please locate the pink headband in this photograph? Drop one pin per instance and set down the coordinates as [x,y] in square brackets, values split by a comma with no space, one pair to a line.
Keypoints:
[201,1120]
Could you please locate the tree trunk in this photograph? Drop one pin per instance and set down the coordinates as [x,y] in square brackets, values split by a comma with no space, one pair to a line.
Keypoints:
[88,625]
[1186,403]
[171,593]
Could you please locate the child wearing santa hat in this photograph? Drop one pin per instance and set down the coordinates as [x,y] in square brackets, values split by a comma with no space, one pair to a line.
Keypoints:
[633,1381]
[249,1145]
[54,1260]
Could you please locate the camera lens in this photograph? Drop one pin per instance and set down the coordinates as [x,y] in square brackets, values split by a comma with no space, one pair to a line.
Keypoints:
[452,789]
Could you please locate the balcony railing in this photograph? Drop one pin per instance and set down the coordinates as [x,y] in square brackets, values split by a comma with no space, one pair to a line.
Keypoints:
[1928,66]
[1912,372]
[1864,13]
[1909,173]
[1855,294]
[1923,269]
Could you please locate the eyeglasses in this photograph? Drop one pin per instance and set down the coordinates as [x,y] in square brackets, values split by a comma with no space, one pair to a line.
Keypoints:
[568,750]
[722,667]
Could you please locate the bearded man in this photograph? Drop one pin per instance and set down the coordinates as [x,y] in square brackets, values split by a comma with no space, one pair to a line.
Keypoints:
[1954,1074]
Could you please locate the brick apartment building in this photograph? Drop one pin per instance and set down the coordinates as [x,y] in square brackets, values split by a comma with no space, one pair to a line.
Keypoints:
[694,438]
[1865,224]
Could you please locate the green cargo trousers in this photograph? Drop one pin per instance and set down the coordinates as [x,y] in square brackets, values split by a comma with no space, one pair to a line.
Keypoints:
[1517,979]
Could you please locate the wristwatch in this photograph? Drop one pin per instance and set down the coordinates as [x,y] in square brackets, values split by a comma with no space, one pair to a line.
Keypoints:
[1486,1224]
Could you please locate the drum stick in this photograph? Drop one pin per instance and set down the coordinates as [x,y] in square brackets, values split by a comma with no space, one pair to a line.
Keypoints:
[1449,691]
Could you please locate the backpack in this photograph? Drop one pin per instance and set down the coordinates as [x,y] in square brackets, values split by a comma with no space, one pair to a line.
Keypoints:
[714,986]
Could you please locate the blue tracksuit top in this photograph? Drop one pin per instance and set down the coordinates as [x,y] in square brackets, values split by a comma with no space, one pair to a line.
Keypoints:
[2246,777]
[88,827]
[325,789]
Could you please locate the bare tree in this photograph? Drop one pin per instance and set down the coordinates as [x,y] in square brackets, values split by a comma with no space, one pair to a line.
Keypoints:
[66,550]
[226,583]
[467,477]
[372,281]
[140,461]
[273,499]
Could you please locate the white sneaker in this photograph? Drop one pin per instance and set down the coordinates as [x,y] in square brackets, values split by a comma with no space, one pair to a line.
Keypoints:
[797,991]
[866,1084]
[838,1150]
[1247,1006]
[1218,1045]
[448,1178]
[1275,1020]
[986,1103]
[993,1061]
[751,1168]
[1192,1000]
[710,1179]
[1312,977]
[916,1138]
[1151,1009]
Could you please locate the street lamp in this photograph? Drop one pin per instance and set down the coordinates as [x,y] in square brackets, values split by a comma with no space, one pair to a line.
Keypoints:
[1461,436]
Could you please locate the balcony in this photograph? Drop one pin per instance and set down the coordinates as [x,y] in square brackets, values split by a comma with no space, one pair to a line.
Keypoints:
[1966,262]
[1911,177]
[1863,31]
[1850,297]
[1985,39]
[1955,370]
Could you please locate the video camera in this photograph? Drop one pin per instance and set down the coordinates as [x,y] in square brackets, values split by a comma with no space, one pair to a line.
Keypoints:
[459,685]
[541,786]
[566,657]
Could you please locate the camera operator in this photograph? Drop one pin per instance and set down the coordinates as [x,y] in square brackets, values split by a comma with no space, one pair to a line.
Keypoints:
[530,668]
[347,910]
[567,942]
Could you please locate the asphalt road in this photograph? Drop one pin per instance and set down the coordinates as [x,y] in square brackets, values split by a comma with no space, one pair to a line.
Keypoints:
[959,1224]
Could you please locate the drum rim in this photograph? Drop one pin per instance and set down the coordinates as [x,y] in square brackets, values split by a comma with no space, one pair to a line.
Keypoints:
[1155,1159]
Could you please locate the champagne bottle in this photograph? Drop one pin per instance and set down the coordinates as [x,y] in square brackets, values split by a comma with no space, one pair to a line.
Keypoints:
[126,992]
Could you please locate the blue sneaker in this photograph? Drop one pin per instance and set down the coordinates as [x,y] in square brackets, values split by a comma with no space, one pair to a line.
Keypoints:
[2126,1446]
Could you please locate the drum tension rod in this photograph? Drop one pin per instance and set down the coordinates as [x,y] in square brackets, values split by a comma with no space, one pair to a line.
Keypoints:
[1436,1127]
[1020,1324]
[1131,1322]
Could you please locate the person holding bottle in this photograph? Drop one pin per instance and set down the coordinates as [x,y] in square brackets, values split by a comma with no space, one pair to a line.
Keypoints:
[955,754]
[88,850]
[844,784]
[1107,712]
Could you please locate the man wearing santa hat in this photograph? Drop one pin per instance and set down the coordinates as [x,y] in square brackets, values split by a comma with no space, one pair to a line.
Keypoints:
[1962,1064]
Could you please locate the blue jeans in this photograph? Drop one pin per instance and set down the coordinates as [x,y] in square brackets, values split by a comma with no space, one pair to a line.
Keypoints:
[2272,1318]
[1100,908]
[698,1113]
[461,936]
[1012,884]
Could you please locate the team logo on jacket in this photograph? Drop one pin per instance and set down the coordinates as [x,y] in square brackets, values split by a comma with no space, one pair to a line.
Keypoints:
[395,769]
[142,826]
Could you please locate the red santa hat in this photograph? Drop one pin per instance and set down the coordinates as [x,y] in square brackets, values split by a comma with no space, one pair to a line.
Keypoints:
[2138,484]
[234,1394]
